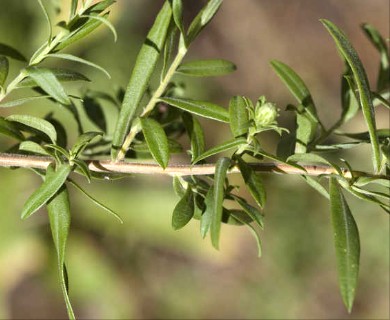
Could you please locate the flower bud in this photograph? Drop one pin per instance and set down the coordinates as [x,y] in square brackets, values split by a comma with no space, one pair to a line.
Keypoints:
[265,114]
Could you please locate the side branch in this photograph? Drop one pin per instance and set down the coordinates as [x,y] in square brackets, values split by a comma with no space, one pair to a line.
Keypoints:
[109,167]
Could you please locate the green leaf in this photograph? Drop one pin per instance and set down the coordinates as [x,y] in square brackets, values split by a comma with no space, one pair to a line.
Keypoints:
[95,113]
[196,135]
[295,84]
[157,140]
[239,118]
[253,232]
[71,57]
[252,212]
[316,185]
[208,214]
[347,244]
[10,52]
[221,169]
[311,158]
[104,21]
[184,210]
[9,129]
[62,75]
[206,68]
[380,44]
[144,66]
[142,147]
[46,79]
[201,108]
[73,9]
[360,77]
[82,31]
[18,102]
[349,100]
[177,10]
[46,14]
[202,19]
[231,144]
[4,67]
[53,182]
[95,201]
[253,181]
[82,141]
[33,147]
[307,120]
[178,186]
[59,217]
[35,123]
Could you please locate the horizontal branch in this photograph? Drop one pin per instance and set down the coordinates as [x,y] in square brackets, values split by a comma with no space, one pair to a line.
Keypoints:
[124,167]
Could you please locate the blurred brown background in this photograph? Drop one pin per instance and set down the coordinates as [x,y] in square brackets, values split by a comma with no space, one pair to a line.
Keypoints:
[145,270]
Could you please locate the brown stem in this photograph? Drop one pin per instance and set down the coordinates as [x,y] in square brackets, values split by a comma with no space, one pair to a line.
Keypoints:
[109,167]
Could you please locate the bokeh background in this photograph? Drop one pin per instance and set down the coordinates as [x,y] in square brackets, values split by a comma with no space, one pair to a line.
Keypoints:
[145,270]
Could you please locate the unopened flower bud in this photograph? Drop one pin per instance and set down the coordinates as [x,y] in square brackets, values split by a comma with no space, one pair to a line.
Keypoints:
[266,114]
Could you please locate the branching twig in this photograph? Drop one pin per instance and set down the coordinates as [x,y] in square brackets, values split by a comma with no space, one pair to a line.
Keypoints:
[109,167]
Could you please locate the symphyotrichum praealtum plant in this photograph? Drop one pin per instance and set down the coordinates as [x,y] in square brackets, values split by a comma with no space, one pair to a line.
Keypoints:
[154,117]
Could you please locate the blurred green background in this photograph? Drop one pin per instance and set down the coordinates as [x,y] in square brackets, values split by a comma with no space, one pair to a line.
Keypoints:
[145,270]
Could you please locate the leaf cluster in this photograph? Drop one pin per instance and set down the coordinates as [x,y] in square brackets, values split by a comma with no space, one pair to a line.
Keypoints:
[150,121]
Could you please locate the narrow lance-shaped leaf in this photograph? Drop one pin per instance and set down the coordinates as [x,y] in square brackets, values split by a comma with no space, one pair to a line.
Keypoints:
[350,55]
[81,32]
[177,10]
[18,102]
[144,66]
[33,147]
[379,43]
[35,123]
[62,75]
[4,67]
[206,68]
[239,118]
[208,214]
[104,21]
[156,139]
[6,50]
[228,145]
[184,210]
[253,232]
[196,135]
[221,169]
[253,181]
[49,83]
[53,182]
[307,120]
[59,217]
[9,129]
[96,202]
[82,142]
[46,14]
[71,57]
[349,100]
[201,108]
[202,19]
[347,244]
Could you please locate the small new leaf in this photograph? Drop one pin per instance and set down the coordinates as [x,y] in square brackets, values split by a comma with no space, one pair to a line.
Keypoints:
[184,210]
[157,140]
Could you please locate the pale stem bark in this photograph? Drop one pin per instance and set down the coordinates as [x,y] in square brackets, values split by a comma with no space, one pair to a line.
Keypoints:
[109,167]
